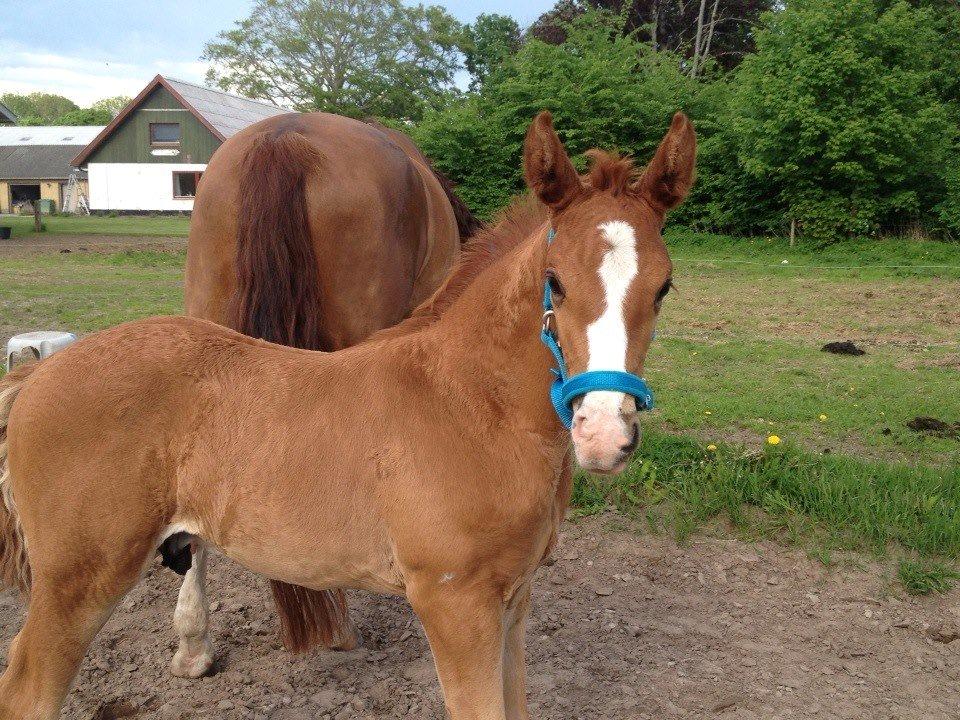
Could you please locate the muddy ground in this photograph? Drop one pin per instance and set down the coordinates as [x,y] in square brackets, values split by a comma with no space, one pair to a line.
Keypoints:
[624,625]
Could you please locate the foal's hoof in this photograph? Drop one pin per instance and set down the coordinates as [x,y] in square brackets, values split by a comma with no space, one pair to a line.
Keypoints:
[348,638]
[194,666]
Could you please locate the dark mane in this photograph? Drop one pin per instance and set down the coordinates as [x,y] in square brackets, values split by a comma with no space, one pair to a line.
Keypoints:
[611,172]
[509,228]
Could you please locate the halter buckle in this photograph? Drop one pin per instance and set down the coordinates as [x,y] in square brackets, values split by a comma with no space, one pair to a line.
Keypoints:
[549,322]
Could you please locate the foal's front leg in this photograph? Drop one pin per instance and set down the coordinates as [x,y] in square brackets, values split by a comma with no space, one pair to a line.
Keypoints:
[191,620]
[465,630]
[514,655]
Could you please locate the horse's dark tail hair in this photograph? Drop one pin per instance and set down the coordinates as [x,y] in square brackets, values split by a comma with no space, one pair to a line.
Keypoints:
[277,298]
[277,295]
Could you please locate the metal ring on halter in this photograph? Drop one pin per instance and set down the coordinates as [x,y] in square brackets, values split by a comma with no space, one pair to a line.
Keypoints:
[549,319]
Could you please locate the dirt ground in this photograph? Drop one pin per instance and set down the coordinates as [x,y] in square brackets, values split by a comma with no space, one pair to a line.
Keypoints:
[46,244]
[625,625]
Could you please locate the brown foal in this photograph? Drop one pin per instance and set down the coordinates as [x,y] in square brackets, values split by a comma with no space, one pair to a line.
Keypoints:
[425,462]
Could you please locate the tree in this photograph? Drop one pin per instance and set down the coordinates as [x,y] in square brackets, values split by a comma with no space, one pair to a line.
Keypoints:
[840,114]
[38,108]
[353,57]
[84,116]
[696,29]
[111,105]
[486,43]
[606,90]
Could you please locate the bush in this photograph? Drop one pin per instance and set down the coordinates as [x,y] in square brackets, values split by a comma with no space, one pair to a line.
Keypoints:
[605,90]
[839,114]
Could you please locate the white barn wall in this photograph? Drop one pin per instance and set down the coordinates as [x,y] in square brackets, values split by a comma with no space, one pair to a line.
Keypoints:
[137,186]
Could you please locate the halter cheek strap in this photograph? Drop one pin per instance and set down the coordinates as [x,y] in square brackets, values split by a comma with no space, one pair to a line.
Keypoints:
[564,390]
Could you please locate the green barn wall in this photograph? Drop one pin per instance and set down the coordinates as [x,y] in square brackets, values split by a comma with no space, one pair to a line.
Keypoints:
[130,141]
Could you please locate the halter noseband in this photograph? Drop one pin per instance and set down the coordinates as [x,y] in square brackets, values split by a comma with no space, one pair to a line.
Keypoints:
[564,390]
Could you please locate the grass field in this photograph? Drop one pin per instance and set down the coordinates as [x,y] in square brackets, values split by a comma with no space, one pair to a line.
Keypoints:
[737,359]
[154,226]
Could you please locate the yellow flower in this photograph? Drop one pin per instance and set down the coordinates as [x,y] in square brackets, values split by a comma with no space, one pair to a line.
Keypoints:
[707,412]
[773,440]
[822,417]
[711,447]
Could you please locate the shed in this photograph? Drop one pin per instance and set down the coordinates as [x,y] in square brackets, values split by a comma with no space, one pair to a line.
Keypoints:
[36,162]
[153,154]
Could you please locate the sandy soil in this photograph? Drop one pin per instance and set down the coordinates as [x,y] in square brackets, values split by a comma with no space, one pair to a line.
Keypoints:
[624,625]
[44,244]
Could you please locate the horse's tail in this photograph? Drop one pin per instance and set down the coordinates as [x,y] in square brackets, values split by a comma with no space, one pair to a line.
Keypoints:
[277,294]
[14,565]
[277,298]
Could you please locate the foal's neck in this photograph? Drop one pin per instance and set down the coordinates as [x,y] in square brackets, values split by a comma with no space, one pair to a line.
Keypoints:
[490,340]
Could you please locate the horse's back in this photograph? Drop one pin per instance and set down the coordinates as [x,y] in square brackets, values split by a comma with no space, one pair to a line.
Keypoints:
[373,212]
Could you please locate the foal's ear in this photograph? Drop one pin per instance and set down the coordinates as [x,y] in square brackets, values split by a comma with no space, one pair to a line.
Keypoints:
[546,167]
[667,179]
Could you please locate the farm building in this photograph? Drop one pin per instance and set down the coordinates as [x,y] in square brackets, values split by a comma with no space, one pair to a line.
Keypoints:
[6,115]
[35,162]
[151,157]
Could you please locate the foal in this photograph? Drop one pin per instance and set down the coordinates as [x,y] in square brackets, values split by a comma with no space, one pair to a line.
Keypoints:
[424,463]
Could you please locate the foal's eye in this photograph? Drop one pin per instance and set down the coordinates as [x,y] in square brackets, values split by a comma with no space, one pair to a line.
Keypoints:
[556,287]
[662,293]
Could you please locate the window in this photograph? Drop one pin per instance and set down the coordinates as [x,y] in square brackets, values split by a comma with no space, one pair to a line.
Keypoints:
[185,184]
[164,133]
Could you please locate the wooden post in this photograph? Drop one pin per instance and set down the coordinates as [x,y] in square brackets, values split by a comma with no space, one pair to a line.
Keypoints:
[793,230]
[36,216]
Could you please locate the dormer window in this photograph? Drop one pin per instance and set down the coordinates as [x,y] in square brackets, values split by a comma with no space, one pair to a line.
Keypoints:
[165,133]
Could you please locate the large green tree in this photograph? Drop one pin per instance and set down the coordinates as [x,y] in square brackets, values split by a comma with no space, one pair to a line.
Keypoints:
[487,42]
[840,114]
[353,57]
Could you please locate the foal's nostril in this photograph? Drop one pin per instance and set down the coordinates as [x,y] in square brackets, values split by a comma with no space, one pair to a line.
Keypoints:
[634,441]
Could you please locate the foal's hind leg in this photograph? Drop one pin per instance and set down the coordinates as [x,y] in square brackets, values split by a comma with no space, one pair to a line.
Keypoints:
[68,606]
[191,620]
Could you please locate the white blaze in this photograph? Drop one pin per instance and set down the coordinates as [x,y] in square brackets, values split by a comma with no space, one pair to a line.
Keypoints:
[607,335]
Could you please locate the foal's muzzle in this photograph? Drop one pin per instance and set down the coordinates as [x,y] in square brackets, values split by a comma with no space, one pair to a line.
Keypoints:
[605,431]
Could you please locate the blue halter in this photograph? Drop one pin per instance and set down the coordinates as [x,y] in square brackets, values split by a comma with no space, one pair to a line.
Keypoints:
[564,390]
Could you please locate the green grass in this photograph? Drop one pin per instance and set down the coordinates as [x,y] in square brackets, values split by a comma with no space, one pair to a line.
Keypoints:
[827,502]
[766,254]
[921,577]
[83,292]
[153,226]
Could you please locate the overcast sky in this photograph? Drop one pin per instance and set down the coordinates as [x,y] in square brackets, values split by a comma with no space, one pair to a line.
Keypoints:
[90,49]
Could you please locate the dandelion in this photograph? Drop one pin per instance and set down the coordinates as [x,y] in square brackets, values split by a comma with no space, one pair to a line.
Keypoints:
[711,447]
[707,412]
[773,440]
[822,417]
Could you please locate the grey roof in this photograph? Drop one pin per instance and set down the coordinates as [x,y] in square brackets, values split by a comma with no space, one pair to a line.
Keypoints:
[6,115]
[36,162]
[228,113]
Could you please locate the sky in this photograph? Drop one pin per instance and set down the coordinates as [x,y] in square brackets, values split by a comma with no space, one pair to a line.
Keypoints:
[91,49]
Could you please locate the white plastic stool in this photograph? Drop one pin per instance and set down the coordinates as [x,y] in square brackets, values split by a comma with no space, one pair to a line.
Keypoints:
[43,343]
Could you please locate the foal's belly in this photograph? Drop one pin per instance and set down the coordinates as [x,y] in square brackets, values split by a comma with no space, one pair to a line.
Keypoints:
[318,543]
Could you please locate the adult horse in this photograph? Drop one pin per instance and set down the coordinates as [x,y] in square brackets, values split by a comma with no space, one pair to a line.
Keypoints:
[311,230]
[427,462]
